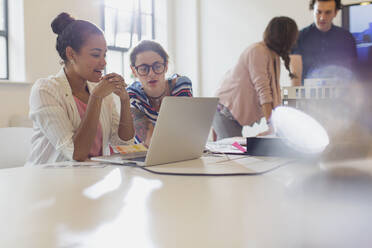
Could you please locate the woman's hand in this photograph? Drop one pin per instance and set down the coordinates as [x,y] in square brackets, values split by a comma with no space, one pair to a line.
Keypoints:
[269,131]
[120,87]
[267,109]
[109,83]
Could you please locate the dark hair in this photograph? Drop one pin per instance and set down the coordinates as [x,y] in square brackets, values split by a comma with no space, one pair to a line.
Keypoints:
[147,45]
[71,33]
[338,3]
[280,35]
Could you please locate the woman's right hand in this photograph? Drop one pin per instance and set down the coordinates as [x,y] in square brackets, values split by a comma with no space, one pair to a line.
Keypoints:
[105,87]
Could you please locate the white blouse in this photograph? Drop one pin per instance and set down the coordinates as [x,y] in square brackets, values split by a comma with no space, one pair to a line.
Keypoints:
[56,119]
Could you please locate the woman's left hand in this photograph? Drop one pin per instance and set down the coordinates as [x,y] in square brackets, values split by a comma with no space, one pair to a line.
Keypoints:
[120,87]
[269,131]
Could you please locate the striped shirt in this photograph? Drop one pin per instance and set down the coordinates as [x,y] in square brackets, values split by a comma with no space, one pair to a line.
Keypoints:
[140,101]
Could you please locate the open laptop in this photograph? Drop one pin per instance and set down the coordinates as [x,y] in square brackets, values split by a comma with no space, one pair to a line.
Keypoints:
[180,133]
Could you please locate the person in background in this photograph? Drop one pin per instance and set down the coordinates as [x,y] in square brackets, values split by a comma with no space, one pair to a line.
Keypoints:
[251,89]
[323,50]
[149,63]
[73,112]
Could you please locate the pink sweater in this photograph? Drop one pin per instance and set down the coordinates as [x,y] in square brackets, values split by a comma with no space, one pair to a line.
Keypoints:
[251,83]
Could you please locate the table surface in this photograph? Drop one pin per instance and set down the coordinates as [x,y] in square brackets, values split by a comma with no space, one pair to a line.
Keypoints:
[301,204]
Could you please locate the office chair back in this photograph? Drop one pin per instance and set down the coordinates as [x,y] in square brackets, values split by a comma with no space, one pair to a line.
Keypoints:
[15,145]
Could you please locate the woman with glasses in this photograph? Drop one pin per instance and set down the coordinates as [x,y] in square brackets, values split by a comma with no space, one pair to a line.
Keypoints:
[73,112]
[251,89]
[149,63]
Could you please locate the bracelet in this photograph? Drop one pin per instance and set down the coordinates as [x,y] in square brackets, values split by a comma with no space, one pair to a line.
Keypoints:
[97,97]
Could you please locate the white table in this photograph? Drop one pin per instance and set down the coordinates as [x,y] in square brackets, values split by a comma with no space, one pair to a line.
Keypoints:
[298,205]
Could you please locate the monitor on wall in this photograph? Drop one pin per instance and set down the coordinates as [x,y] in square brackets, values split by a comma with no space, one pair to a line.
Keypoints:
[357,18]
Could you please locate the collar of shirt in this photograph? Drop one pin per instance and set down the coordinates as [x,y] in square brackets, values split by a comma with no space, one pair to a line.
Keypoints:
[320,33]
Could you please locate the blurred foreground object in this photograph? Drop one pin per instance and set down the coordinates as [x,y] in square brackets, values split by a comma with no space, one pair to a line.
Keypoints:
[343,108]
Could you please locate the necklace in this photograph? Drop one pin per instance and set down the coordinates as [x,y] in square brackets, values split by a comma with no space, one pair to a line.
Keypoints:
[157,99]
[82,95]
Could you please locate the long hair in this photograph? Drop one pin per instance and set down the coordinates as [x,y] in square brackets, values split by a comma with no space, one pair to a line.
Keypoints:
[280,36]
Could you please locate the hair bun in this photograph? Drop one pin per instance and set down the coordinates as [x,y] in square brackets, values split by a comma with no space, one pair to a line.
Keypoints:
[60,22]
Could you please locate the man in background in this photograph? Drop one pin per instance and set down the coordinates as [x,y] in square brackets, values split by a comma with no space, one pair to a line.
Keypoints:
[323,50]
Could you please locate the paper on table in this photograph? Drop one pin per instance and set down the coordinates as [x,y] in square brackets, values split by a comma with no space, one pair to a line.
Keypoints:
[224,164]
[267,136]
[230,141]
[241,140]
[222,148]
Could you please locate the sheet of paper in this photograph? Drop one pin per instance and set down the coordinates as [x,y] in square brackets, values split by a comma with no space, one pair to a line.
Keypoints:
[222,148]
[224,164]
[267,136]
[229,141]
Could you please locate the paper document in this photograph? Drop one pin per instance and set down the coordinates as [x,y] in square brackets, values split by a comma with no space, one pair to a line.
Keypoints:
[222,148]
[230,141]
[224,164]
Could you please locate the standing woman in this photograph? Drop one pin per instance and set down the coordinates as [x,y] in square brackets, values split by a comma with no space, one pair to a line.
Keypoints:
[251,89]
[149,63]
[73,113]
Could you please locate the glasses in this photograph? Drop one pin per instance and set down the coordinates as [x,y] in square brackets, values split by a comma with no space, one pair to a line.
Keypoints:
[144,69]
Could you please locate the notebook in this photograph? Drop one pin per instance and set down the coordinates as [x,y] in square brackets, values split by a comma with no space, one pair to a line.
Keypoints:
[180,133]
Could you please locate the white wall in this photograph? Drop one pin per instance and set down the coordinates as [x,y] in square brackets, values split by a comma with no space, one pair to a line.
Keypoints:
[185,39]
[13,101]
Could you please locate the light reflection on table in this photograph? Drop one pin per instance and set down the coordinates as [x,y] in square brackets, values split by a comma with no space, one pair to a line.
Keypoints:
[299,205]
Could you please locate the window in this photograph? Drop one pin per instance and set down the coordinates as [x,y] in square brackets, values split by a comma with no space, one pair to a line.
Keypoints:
[4,71]
[125,23]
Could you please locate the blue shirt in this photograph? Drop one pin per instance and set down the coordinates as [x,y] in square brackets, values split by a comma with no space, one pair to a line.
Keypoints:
[335,48]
